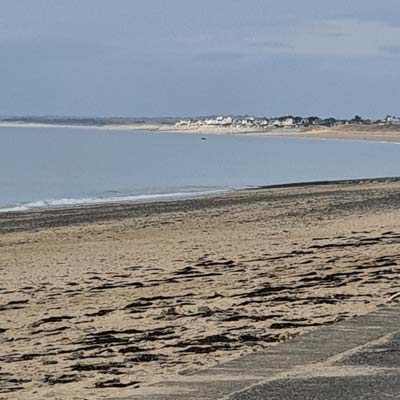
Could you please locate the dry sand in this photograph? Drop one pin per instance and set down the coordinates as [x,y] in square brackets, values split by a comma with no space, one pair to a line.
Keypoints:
[377,133]
[97,302]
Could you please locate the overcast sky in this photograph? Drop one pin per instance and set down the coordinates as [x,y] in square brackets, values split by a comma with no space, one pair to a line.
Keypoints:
[190,57]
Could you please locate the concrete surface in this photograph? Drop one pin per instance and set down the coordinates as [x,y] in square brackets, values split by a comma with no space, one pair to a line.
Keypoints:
[356,359]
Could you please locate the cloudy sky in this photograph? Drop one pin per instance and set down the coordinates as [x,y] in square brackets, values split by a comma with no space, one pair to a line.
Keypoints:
[190,57]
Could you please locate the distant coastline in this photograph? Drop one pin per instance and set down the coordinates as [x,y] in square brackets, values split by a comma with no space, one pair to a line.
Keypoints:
[372,131]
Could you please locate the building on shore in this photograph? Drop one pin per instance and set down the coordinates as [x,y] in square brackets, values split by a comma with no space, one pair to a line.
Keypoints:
[391,119]
[284,122]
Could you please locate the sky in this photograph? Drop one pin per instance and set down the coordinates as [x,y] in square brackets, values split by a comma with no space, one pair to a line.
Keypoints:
[153,58]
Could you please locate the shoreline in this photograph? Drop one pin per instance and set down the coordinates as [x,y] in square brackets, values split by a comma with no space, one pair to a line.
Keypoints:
[88,202]
[46,217]
[380,133]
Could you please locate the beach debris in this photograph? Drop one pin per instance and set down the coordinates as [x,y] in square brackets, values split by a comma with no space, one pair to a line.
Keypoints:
[130,349]
[142,358]
[13,305]
[49,362]
[51,320]
[102,367]
[204,310]
[61,379]
[9,384]
[188,371]
[247,337]
[76,355]
[115,383]
[100,313]
[172,311]
[139,336]
[214,295]
[207,349]
[284,336]
[394,296]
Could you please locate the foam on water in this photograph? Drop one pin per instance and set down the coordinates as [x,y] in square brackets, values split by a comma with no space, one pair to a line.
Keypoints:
[61,203]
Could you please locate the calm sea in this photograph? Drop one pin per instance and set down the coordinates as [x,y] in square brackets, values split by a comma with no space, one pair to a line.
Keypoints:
[48,167]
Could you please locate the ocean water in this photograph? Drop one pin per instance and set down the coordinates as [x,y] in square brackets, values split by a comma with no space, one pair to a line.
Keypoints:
[50,167]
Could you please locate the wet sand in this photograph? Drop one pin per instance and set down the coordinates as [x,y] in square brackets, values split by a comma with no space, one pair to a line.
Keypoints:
[101,301]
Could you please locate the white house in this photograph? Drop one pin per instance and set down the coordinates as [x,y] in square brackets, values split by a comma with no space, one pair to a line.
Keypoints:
[276,123]
[391,119]
[184,122]
[288,122]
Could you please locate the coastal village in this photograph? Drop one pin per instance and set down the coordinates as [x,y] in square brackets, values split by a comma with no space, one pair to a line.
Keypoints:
[281,122]
[233,123]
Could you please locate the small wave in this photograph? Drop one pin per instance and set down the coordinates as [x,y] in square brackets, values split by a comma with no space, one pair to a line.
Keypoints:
[72,202]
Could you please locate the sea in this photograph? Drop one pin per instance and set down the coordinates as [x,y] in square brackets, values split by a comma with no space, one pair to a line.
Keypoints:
[43,167]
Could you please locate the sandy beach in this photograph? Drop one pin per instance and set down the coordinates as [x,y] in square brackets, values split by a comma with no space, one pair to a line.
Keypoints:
[199,200]
[100,301]
[379,133]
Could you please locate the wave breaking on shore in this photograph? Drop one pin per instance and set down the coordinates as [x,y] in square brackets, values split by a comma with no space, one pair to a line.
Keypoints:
[87,201]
